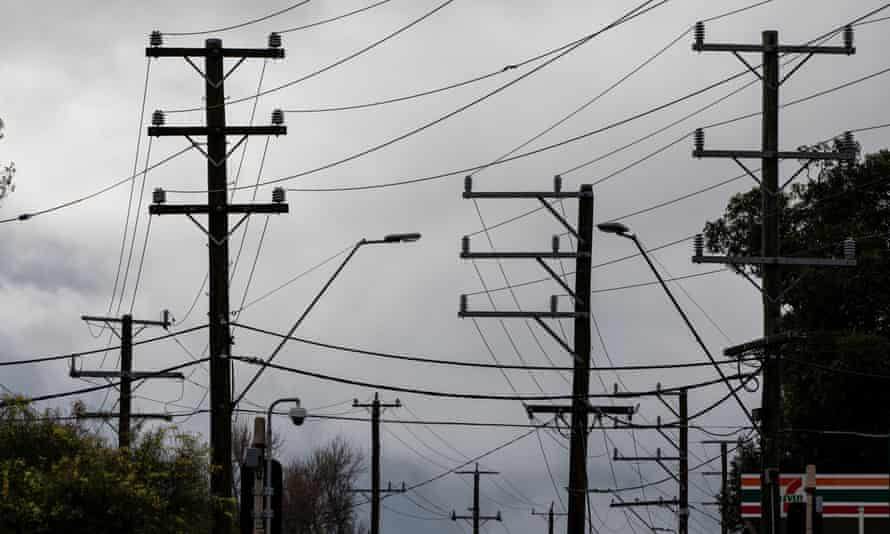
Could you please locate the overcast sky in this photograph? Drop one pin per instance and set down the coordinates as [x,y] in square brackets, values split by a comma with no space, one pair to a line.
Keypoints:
[71,86]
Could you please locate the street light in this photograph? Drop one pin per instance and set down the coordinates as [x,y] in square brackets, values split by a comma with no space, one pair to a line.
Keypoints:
[388,239]
[297,414]
[618,228]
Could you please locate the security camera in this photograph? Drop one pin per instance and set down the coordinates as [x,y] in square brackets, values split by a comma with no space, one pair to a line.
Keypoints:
[297,414]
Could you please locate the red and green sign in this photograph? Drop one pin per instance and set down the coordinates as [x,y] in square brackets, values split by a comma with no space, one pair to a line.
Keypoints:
[841,495]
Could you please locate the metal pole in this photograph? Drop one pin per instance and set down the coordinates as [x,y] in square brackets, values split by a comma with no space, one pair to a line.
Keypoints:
[581,375]
[259,482]
[375,465]
[218,247]
[684,465]
[550,519]
[123,426]
[476,501]
[772,379]
[724,487]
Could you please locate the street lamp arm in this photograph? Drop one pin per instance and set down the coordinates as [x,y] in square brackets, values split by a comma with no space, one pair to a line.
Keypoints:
[392,238]
[299,321]
[692,329]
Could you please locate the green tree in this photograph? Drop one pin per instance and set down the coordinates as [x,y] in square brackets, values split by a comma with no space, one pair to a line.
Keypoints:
[55,476]
[844,313]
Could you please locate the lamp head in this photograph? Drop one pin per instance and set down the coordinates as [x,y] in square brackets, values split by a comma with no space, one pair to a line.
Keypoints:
[614,228]
[297,414]
[401,238]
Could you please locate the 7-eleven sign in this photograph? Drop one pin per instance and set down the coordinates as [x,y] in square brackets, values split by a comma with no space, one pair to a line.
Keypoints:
[842,495]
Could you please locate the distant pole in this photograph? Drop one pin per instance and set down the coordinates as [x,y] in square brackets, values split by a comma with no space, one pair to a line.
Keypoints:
[724,487]
[123,426]
[551,517]
[377,408]
[477,517]
[684,465]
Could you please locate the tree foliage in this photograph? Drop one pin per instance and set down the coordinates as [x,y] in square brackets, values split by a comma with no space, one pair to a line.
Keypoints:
[55,476]
[844,313]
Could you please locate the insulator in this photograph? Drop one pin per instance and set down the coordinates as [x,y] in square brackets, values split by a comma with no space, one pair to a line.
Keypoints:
[615,454]
[849,143]
[463,303]
[465,244]
[557,183]
[156,39]
[278,195]
[850,248]
[274,40]
[699,34]
[468,184]
[555,244]
[159,196]
[277,117]
[848,37]
[699,139]
[554,303]
[158,118]
[699,245]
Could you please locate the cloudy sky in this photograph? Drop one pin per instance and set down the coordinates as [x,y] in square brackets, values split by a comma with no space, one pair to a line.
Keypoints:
[71,89]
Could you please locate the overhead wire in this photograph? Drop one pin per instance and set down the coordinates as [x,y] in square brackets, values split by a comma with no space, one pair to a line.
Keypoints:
[335,18]
[240,24]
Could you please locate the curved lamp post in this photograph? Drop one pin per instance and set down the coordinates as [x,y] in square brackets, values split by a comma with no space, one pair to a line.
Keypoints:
[388,239]
[297,414]
[622,230]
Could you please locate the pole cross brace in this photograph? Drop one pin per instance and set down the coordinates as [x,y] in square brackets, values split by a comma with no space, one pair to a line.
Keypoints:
[637,502]
[164,131]
[781,49]
[157,51]
[779,260]
[523,255]
[110,415]
[768,154]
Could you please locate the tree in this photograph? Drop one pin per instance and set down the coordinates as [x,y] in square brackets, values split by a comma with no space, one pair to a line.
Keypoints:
[55,476]
[844,313]
[318,497]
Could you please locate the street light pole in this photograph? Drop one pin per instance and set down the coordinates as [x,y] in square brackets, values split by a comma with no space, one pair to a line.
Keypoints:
[391,238]
[297,414]
[623,231]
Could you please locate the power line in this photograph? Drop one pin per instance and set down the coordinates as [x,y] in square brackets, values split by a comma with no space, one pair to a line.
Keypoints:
[97,351]
[336,18]
[480,364]
[31,215]
[333,65]
[457,111]
[241,24]
[479,396]
[29,400]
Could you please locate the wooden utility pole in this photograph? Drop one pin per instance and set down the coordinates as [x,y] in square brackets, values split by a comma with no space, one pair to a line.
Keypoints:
[770,261]
[377,408]
[125,374]
[724,479]
[477,518]
[218,231]
[551,517]
[580,350]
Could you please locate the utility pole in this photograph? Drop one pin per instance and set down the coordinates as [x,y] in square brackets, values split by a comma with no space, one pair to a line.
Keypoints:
[551,515]
[377,408]
[581,296]
[125,374]
[724,479]
[771,262]
[476,518]
[682,458]
[218,231]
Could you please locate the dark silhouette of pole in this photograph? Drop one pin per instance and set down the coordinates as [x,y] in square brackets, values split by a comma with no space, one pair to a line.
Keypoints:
[683,513]
[581,375]
[123,426]
[377,408]
[477,518]
[551,517]
[218,252]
